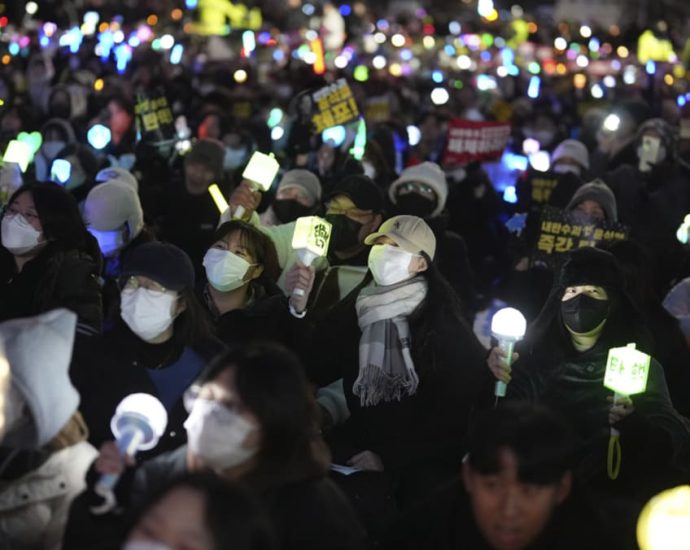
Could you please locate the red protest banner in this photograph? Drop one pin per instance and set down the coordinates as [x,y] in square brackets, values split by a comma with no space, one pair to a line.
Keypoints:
[470,141]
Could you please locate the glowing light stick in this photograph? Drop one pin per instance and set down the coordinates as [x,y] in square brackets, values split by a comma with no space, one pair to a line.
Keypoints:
[18,152]
[310,240]
[138,424]
[4,386]
[218,198]
[358,148]
[627,370]
[60,171]
[664,522]
[320,62]
[508,326]
[260,172]
[98,136]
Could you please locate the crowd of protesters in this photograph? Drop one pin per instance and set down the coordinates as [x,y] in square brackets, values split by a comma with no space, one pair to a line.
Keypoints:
[347,403]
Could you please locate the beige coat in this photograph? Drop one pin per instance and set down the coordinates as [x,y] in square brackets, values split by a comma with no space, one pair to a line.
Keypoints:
[34,508]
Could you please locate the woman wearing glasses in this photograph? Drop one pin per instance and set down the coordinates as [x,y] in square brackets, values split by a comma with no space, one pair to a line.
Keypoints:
[159,345]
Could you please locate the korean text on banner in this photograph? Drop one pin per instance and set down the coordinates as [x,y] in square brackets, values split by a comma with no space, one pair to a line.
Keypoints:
[470,141]
[335,105]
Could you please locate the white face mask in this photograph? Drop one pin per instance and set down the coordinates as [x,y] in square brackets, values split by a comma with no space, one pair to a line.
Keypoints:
[390,264]
[110,242]
[145,545]
[567,169]
[148,313]
[225,270]
[18,236]
[650,153]
[217,434]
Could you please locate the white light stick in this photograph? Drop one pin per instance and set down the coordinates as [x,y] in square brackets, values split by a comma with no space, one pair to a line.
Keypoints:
[139,422]
[260,172]
[508,326]
[310,241]
[20,153]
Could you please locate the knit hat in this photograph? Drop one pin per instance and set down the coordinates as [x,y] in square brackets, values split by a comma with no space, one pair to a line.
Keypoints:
[665,131]
[600,193]
[361,190]
[112,173]
[411,233]
[571,148]
[163,262]
[210,153]
[302,179]
[426,172]
[591,266]
[39,351]
[110,205]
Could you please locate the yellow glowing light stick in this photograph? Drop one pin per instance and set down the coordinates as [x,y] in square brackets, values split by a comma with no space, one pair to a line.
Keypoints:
[627,370]
[310,240]
[218,198]
[20,153]
[664,523]
[320,63]
[260,172]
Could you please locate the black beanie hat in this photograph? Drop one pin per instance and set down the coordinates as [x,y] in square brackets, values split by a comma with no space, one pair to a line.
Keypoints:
[163,262]
[591,266]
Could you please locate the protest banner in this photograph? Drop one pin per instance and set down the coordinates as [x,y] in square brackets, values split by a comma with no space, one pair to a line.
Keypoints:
[470,141]
[335,105]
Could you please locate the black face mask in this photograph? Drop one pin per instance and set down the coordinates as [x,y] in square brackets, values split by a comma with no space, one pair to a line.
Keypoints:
[413,204]
[584,313]
[288,210]
[345,232]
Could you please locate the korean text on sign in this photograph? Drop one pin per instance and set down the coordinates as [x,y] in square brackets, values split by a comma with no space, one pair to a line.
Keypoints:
[559,233]
[152,114]
[470,141]
[335,105]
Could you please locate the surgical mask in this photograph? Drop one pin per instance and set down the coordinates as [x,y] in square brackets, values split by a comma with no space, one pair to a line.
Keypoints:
[583,313]
[148,313]
[345,232]
[389,264]
[414,204]
[234,157]
[650,153]
[110,242]
[567,169]
[288,210]
[369,169]
[217,434]
[18,236]
[146,545]
[225,271]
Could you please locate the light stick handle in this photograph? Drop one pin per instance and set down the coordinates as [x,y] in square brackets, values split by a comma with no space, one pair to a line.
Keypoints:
[614,456]
[238,214]
[127,445]
[307,257]
[506,346]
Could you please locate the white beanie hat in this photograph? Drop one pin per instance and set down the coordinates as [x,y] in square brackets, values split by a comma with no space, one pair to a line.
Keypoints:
[573,149]
[39,351]
[426,172]
[110,205]
[116,173]
[303,179]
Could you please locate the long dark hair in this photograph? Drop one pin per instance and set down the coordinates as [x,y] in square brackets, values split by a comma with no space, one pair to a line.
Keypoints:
[232,514]
[193,327]
[271,383]
[441,305]
[60,218]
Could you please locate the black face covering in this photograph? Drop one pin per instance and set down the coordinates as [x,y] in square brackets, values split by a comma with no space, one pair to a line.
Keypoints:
[584,313]
[415,205]
[345,233]
[288,210]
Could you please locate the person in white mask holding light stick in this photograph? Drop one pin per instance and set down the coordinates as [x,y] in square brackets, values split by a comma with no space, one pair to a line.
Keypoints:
[411,366]
[159,345]
[241,293]
[252,419]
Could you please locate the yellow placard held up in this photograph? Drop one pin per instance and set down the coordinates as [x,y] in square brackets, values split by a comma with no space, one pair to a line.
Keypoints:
[335,105]
[311,237]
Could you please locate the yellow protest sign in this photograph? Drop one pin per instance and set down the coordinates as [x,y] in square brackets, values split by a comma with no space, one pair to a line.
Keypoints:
[335,105]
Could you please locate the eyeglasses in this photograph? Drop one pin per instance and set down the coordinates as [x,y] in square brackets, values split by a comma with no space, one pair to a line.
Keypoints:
[133,283]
